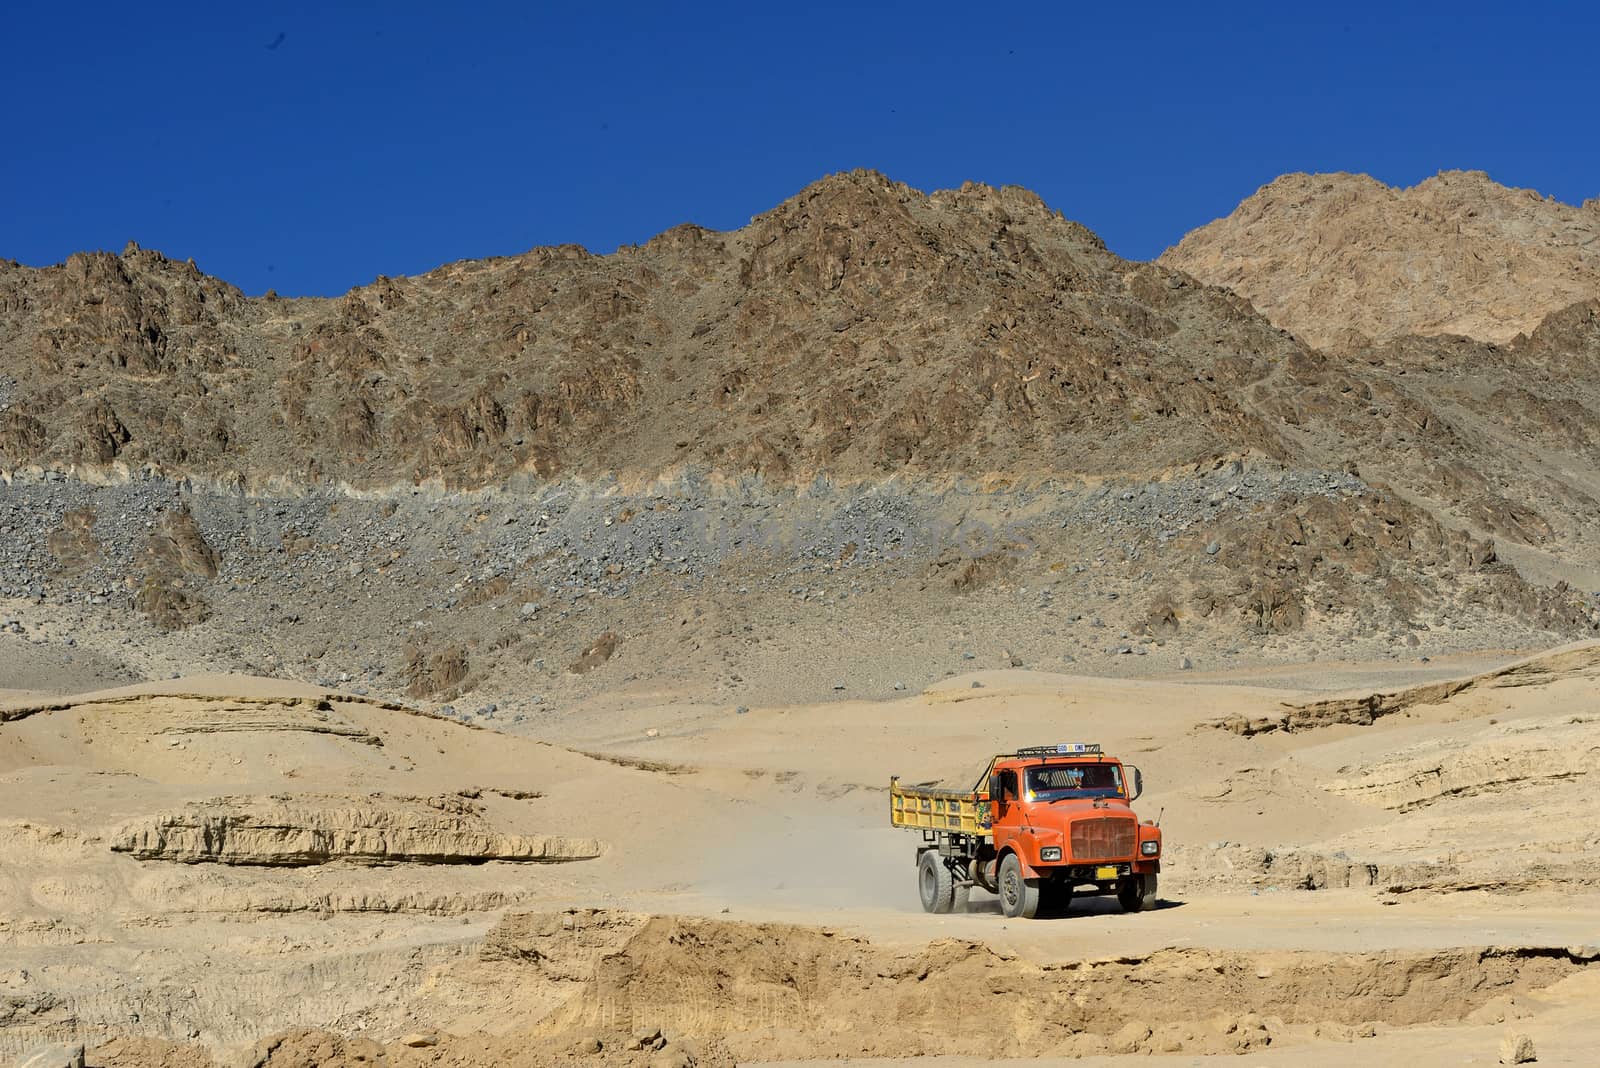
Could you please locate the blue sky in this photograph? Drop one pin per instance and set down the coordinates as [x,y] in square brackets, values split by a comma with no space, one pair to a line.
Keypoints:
[309,148]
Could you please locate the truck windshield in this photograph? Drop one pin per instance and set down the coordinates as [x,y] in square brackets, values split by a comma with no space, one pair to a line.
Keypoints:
[1051,782]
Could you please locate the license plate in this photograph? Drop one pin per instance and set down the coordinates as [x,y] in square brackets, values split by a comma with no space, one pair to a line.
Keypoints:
[1107,872]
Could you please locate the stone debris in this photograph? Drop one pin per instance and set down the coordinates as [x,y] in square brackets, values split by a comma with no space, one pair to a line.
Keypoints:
[647,1038]
[1516,1048]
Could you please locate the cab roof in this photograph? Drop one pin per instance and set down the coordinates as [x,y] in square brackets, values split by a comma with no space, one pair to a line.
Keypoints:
[1060,749]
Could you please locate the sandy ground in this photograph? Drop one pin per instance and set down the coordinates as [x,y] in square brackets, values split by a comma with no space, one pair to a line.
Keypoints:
[1362,863]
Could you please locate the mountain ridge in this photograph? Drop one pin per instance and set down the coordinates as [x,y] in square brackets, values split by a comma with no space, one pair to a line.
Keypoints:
[861,329]
[795,263]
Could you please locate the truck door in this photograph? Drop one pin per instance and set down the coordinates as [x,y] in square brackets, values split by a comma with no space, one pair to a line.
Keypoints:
[1006,807]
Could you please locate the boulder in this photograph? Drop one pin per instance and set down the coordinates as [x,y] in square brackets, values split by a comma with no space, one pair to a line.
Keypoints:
[59,1055]
[1516,1048]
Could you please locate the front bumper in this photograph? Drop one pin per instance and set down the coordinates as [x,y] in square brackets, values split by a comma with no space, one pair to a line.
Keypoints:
[1092,873]
[1109,872]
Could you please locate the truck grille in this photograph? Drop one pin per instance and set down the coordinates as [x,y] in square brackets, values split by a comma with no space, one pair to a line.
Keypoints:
[1107,838]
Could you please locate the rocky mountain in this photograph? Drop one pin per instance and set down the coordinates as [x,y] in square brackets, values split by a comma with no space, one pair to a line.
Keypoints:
[858,330]
[1340,259]
[874,401]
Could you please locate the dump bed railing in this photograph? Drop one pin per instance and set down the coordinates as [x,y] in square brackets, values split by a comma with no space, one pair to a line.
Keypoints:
[929,809]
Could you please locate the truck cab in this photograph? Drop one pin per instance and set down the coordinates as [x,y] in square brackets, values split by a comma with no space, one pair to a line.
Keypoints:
[1041,825]
[1061,818]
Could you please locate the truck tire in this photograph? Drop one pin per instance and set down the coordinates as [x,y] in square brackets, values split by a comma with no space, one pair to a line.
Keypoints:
[935,884]
[1019,897]
[1137,892]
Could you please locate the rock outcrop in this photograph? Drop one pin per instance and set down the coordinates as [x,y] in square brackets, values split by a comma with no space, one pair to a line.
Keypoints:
[1580,660]
[300,830]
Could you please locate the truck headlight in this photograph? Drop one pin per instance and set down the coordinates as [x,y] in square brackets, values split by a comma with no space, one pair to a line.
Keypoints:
[1050,853]
[1150,847]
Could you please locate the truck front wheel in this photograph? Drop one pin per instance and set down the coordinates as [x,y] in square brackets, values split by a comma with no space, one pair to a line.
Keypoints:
[935,884]
[1019,897]
[1137,892]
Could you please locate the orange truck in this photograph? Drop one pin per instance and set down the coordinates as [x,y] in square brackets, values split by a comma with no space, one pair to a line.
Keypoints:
[1040,825]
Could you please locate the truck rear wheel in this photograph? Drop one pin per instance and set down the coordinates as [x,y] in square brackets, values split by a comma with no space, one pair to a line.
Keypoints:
[1019,897]
[1137,892]
[935,884]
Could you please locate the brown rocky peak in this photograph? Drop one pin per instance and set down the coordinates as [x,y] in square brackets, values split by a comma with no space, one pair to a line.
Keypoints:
[1340,258]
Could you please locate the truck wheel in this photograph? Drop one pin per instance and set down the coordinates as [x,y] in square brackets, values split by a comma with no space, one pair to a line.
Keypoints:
[934,883]
[1137,892]
[1019,897]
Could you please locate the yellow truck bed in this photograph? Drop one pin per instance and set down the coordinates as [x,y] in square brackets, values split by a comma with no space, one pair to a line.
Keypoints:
[955,811]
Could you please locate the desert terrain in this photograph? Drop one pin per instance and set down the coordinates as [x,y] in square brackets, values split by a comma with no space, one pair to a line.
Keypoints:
[506,665]
[217,861]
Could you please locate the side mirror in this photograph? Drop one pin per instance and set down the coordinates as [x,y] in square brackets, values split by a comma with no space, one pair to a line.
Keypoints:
[1136,783]
[994,787]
